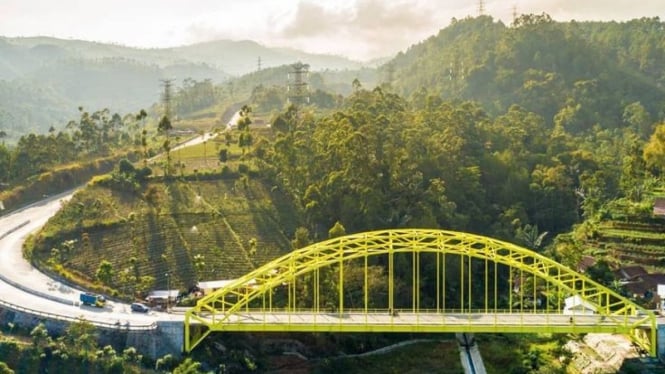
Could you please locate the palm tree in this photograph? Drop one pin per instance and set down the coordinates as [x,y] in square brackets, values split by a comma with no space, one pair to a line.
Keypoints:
[530,236]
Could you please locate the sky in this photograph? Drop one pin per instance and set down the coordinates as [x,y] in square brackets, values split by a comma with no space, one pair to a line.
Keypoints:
[358,29]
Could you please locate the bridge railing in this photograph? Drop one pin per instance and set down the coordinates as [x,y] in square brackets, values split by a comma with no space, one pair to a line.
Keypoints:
[457,311]
[60,317]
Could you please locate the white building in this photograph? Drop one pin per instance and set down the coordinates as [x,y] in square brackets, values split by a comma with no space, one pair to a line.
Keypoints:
[575,305]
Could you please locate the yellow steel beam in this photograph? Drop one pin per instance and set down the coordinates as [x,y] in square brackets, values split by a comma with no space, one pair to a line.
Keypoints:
[214,310]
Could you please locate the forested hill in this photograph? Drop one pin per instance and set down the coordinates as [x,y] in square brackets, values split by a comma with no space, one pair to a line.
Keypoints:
[44,80]
[574,74]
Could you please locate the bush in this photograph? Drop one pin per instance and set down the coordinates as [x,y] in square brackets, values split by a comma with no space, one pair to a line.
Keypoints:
[243,168]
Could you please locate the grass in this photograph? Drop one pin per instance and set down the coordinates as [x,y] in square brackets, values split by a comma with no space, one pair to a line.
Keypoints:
[204,157]
[621,233]
[519,353]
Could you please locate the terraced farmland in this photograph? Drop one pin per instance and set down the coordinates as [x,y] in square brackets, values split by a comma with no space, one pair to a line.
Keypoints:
[635,242]
[192,231]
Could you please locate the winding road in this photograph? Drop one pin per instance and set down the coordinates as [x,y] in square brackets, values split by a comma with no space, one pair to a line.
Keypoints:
[24,288]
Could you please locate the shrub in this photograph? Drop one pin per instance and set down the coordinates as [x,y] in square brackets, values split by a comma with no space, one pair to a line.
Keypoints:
[243,168]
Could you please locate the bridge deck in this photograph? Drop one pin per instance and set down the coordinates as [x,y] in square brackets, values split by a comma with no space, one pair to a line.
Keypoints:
[422,322]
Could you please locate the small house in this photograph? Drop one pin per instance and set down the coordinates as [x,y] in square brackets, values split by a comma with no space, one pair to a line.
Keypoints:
[208,287]
[659,207]
[576,305]
[162,298]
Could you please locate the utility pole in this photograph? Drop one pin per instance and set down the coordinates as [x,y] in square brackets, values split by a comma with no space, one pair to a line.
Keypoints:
[514,13]
[167,95]
[390,73]
[298,89]
[168,291]
[481,7]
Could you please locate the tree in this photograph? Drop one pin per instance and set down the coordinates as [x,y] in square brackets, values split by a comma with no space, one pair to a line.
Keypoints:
[105,272]
[356,85]
[164,125]
[5,369]
[5,163]
[336,231]
[40,337]
[166,146]
[223,155]
[301,238]
[252,247]
[188,366]
[636,116]
[654,151]
[245,139]
[165,363]
[199,263]
[530,236]
[144,144]
[80,337]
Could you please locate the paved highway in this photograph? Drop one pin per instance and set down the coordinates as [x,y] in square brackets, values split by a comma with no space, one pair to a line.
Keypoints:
[23,286]
[36,291]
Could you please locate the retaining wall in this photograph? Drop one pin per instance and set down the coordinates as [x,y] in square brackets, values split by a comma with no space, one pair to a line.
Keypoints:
[152,341]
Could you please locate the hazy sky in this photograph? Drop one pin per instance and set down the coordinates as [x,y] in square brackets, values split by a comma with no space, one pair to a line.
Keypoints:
[360,29]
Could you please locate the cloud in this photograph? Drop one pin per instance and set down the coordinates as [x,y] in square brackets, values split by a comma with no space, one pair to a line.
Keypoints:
[312,20]
[369,27]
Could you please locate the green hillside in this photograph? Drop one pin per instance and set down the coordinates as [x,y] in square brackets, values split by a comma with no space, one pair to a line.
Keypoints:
[192,230]
[547,67]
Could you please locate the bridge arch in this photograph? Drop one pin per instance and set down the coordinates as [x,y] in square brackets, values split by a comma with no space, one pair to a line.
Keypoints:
[254,292]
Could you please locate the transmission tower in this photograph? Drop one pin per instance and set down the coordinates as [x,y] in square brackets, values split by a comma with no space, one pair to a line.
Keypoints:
[167,96]
[259,63]
[390,73]
[298,88]
[514,14]
[481,7]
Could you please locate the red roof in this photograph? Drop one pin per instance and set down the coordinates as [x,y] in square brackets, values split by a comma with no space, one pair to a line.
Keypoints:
[628,273]
[585,263]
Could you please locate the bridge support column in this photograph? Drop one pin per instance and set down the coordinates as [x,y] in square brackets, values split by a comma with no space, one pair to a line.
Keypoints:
[472,362]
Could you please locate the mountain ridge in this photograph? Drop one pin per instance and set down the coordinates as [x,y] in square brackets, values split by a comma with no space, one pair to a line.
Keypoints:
[44,79]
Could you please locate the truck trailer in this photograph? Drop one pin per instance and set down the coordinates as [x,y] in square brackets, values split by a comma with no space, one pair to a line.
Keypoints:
[93,300]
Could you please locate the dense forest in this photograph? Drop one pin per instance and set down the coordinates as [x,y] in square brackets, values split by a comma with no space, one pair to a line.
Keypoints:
[575,74]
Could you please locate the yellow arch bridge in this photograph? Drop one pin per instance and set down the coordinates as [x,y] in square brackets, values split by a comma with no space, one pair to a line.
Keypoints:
[415,280]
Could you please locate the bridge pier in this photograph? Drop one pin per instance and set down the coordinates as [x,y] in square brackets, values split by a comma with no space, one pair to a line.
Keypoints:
[470,354]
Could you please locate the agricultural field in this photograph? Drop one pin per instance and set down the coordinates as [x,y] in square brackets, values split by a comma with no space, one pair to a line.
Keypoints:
[192,230]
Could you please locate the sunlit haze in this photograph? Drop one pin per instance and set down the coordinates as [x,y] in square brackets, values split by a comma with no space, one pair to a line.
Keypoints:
[359,29]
